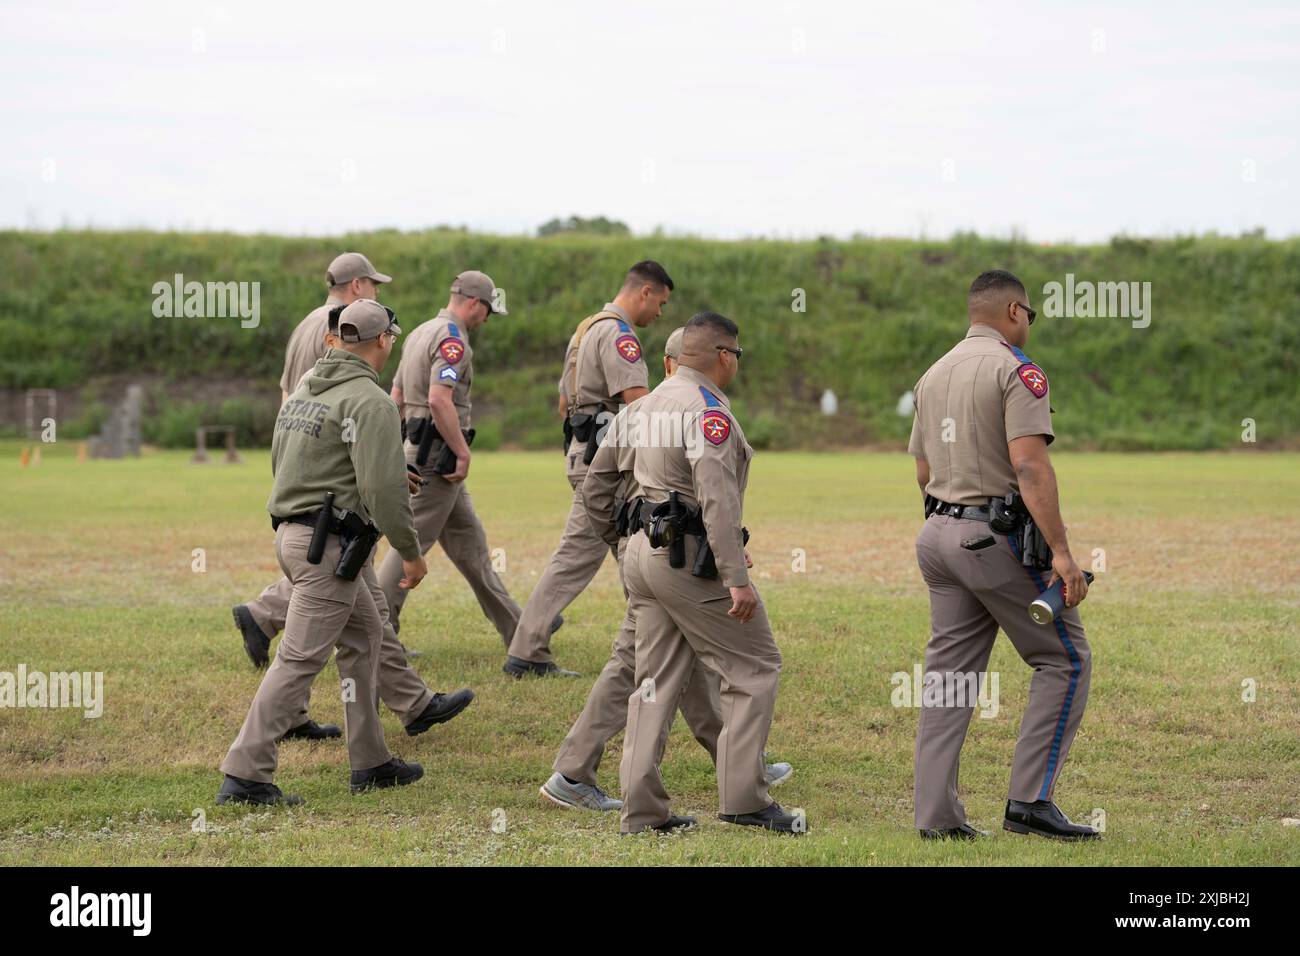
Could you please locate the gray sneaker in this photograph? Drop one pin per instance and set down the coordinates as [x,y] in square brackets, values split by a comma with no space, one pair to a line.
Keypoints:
[582,796]
[777,773]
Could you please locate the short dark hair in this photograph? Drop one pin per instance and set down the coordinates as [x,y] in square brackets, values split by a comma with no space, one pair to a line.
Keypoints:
[648,272]
[334,314]
[995,280]
[722,326]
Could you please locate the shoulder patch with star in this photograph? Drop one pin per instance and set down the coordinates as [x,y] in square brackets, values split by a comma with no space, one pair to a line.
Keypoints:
[628,347]
[1034,379]
[452,350]
[715,426]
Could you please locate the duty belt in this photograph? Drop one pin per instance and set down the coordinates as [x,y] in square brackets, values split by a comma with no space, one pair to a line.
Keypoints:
[309,519]
[975,512]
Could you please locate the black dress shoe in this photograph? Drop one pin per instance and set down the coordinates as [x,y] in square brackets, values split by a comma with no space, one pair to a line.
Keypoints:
[771,817]
[441,709]
[239,790]
[395,773]
[1044,818]
[410,654]
[312,731]
[516,667]
[671,825]
[963,832]
[557,623]
[256,644]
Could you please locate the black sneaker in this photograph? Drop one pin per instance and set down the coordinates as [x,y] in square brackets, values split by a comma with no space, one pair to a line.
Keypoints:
[671,825]
[518,668]
[239,790]
[395,773]
[1043,818]
[441,709]
[256,644]
[771,817]
[312,731]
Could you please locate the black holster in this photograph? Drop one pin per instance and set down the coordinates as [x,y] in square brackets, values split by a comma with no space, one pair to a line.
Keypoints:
[446,462]
[357,539]
[677,521]
[1010,516]
[704,565]
[581,427]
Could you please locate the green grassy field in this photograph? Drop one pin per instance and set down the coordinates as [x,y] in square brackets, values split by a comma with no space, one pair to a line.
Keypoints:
[1199,595]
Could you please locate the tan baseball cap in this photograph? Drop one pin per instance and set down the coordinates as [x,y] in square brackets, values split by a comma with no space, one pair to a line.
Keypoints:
[477,285]
[366,319]
[673,347]
[352,265]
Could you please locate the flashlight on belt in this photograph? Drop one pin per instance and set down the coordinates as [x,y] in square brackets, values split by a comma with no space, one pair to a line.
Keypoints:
[1047,607]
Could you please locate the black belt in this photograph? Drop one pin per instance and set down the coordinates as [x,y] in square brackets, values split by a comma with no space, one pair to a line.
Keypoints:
[975,512]
[309,519]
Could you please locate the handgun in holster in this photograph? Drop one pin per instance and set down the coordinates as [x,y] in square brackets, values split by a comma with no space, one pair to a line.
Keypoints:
[667,529]
[357,539]
[446,462]
[704,565]
[582,427]
[1010,516]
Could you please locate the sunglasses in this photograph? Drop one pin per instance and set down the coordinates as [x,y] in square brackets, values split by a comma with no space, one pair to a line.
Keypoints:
[727,348]
[1028,311]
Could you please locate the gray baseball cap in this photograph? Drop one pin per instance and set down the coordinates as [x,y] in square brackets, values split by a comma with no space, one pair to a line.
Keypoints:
[673,347]
[478,285]
[366,319]
[352,265]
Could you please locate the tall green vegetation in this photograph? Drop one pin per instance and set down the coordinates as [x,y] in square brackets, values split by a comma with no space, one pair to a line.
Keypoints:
[76,310]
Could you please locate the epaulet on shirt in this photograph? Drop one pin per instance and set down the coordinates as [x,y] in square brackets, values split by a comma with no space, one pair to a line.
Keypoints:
[1031,376]
[710,400]
[623,326]
[452,330]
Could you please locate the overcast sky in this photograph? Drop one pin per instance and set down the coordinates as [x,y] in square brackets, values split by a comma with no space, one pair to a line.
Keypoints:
[1060,120]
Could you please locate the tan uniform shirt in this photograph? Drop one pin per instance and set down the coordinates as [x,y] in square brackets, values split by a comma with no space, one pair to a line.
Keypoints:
[438,353]
[708,467]
[609,361]
[981,395]
[306,345]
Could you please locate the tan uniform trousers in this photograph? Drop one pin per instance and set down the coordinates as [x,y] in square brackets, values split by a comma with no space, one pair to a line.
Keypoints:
[605,713]
[571,568]
[972,594]
[445,514]
[400,687]
[324,612]
[680,617]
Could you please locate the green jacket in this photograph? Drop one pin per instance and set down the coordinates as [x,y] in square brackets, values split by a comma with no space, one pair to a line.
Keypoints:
[340,432]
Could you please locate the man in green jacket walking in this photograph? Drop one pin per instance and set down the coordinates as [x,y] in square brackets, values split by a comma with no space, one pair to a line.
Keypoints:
[338,433]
